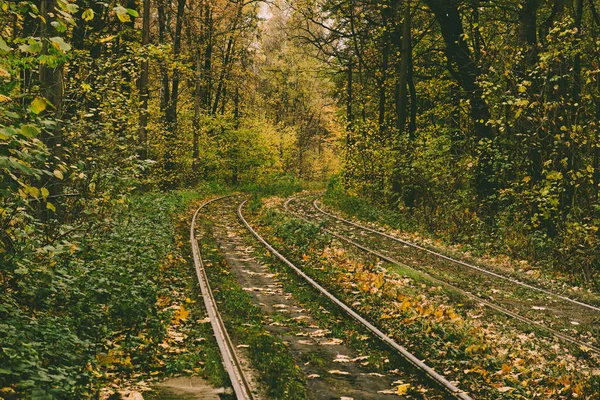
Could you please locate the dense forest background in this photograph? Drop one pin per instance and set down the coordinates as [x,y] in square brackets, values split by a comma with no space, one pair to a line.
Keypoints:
[477,121]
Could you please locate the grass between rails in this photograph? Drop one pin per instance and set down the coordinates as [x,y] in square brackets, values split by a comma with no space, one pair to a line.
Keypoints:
[480,352]
[279,375]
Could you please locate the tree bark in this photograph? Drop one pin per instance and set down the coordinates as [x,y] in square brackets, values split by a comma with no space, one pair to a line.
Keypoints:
[349,100]
[527,35]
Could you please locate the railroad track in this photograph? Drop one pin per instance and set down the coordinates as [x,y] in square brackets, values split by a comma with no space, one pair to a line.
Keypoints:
[459,262]
[412,359]
[239,381]
[441,282]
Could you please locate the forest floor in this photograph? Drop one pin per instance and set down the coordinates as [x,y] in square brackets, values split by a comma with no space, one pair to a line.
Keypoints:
[295,344]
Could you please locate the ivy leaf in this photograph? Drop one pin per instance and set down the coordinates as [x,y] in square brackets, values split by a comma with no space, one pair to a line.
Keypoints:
[402,389]
[72,8]
[554,176]
[180,314]
[107,39]
[32,190]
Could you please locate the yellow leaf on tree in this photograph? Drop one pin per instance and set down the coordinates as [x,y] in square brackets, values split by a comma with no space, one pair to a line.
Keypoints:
[38,105]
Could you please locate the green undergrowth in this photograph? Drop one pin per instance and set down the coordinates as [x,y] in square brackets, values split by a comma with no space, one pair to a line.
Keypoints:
[105,311]
[419,314]
[279,375]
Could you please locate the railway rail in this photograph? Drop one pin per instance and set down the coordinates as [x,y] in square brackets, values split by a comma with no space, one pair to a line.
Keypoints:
[437,281]
[412,359]
[239,381]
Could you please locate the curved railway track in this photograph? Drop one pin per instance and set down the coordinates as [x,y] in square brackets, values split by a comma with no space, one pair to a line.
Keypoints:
[489,304]
[413,360]
[239,381]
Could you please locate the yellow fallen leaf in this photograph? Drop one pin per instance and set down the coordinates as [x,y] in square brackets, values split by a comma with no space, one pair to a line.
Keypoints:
[181,314]
[402,389]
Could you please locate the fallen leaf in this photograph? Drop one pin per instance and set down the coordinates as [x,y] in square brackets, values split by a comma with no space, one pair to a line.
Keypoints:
[332,342]
[338,372]
[402,389]
[505,389]
[340,358]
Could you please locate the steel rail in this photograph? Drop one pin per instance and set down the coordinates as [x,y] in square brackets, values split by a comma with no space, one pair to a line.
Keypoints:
[459,262]
[465,293]
[234,369]
[420,365]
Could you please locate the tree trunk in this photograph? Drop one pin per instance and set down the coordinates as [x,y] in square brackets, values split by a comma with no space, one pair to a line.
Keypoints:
[165,89]
[197,113]
[464,69]
[143,84]
[386,16]
[527,35]
[401,82]
[207,71]
[51,85]
[174,97]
